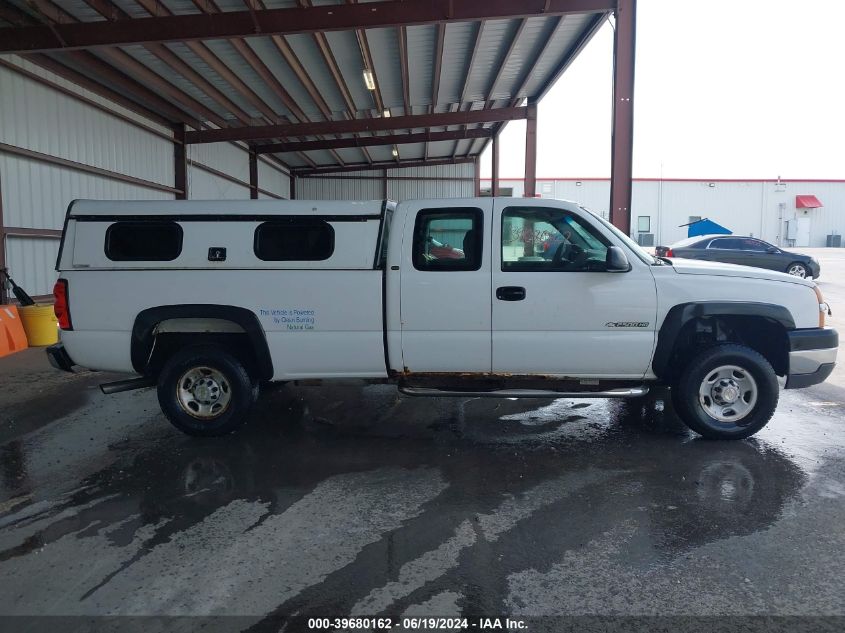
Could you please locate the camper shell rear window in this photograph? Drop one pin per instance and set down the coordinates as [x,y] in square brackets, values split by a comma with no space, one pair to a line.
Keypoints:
[153,241]
[294,239]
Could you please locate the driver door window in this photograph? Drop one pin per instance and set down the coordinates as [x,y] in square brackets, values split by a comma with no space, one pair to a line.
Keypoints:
[537,239]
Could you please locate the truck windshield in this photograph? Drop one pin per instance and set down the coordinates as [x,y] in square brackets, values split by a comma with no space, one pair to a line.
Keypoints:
[638,251]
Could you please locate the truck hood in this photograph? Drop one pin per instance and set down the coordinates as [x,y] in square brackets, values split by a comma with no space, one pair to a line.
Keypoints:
[699,267]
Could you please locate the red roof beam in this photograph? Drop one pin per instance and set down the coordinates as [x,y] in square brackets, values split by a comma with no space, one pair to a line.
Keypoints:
[259,132]
[370,141]
[180,28]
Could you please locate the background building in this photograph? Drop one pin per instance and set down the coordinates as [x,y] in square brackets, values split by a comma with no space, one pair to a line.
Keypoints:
[782,212]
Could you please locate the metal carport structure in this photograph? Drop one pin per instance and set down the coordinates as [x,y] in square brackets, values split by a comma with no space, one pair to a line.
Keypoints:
[332,87]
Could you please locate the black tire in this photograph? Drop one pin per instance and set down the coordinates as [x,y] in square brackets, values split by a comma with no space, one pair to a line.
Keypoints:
[797,266]
[692,408]
[233,382]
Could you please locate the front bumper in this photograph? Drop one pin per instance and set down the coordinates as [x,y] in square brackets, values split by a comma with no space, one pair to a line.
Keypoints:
[59,358]
[815,269]
[812,356]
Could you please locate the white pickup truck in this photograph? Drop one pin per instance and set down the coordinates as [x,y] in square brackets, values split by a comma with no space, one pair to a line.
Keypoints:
[457,297]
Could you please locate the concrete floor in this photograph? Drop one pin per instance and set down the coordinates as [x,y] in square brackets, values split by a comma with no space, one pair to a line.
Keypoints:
[350,500]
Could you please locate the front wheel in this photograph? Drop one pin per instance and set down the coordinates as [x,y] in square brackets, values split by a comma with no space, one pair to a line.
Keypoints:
[727,391]
[797,269]
[205,391]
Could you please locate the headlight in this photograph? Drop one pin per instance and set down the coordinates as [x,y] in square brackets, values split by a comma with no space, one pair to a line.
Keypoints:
[824,308]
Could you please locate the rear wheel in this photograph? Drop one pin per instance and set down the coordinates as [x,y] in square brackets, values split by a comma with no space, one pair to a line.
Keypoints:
[797,269]
[206,391]
[726,392]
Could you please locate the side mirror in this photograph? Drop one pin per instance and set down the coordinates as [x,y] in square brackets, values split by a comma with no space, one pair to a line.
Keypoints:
[772,250]
[616,260]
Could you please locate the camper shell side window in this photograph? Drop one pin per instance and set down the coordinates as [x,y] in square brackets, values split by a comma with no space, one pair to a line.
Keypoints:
[133,241]
[293,238]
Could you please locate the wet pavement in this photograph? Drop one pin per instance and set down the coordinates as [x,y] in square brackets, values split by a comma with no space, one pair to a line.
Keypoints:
[351,500]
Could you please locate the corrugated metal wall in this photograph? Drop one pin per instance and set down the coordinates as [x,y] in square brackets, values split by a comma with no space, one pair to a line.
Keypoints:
[35,116]
[203,185]
[271,178]
[428,182]
[358,185]
[436,181]
[746,207]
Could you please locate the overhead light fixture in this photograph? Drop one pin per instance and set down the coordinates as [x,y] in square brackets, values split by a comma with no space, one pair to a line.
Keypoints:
[395,152]
[386,113]
[369,80]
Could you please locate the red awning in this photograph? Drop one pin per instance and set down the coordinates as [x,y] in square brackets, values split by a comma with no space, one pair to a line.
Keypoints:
[807,202]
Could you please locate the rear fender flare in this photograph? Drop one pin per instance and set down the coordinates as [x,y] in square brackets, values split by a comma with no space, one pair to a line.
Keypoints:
[143,331]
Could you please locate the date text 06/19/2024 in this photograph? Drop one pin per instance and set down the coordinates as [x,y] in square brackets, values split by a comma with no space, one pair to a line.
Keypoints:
[417,624]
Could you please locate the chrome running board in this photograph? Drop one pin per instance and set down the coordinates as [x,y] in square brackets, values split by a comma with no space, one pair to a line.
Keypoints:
[627,392]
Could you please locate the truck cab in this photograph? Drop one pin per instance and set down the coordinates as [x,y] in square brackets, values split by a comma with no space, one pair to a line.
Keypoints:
[480,296]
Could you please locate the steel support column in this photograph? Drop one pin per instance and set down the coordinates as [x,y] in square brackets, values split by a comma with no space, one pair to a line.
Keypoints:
[180,162]
[622,143]
[494,176]
[531,151]
[253,174]
[3,298]
[476,165]
[292,180]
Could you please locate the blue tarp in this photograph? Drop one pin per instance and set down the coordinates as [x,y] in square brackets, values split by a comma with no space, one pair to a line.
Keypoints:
[705,226]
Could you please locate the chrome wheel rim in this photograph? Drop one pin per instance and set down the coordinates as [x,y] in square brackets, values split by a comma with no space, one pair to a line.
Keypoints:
[728,393]
[203,393]
[797,270]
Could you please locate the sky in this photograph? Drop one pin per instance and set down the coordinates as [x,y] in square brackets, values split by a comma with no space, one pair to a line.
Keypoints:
[723,89]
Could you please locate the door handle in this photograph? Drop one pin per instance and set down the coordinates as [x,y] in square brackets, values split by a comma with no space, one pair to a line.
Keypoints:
[510,293]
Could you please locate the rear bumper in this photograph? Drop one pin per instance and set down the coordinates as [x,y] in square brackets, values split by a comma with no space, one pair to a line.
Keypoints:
[812,356]
[59,358]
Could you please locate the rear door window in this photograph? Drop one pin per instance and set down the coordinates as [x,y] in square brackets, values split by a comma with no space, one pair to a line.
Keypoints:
[726,243]
[448,239]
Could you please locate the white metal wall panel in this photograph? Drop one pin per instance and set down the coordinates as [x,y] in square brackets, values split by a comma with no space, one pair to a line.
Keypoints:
[34,116]
[31,263]
[36,194]
[271,179]
[406,183]
[203,185]
[735,205]
[459,170]
[226,157]
[419,189]
[444,187]
[327,188]
[69,85]
[831,217]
